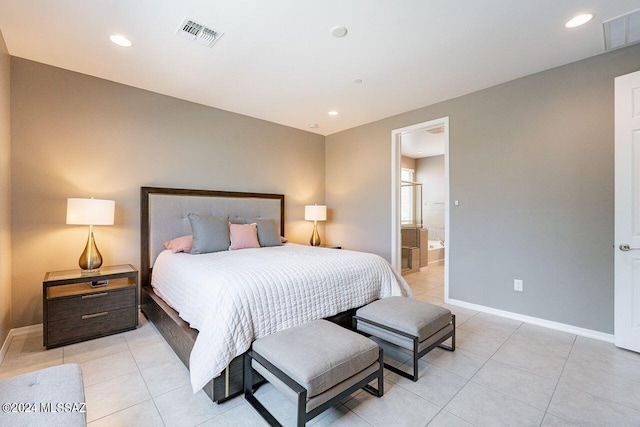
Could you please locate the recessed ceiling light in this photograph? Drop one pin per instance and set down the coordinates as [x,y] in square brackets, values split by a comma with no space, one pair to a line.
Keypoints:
[420,152]
[579,20]
[313,125]
[339,31]
[333,113]
[120,40]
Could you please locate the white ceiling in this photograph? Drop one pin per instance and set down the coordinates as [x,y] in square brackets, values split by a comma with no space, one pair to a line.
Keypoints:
[277,60]
[422,143]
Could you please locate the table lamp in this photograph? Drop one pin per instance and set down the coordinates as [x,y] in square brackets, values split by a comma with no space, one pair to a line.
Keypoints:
[315,213]
[90,212]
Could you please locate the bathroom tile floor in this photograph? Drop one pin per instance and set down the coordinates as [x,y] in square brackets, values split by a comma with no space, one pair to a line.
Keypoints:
[503,372]
[428,285]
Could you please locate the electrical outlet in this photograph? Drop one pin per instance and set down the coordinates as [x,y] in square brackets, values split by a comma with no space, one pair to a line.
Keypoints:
[518,285]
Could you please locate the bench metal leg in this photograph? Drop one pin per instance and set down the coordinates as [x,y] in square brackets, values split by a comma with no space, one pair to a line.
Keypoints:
[416,355]
[451,347]
[379,392]
[302,415]
[248,393]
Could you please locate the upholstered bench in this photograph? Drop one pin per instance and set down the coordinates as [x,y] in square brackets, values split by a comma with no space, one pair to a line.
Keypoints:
[48,397]
[415,325]
[315,365]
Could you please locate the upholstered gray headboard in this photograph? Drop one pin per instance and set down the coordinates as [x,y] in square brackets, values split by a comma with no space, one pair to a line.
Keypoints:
[164,215]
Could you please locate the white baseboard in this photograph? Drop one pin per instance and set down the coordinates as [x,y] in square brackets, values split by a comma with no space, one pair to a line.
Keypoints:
[32,329]
[588,333]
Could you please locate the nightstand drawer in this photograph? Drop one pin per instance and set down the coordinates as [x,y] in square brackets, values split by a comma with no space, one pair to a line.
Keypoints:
[100,301]
[79,327]
[73,311]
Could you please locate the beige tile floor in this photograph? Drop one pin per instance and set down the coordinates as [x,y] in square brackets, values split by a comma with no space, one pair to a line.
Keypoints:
[428,285]
[503,373]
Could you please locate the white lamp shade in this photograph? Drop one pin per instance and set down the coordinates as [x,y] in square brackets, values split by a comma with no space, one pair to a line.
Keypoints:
[90,211]
[315,213]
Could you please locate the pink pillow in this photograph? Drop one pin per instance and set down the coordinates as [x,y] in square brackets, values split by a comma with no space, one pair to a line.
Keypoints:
[243,236]
[283,240]
[180,244]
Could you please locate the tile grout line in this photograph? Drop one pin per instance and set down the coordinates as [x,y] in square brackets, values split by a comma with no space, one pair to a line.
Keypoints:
[590,394]
[463,386]
[138,369]
[119,376]
[471,378]
[615,374]
[119,410]
[225,411]
[601,399]
[546,411]
[65,356]
[356,414]
[528,372]
[467,381]
[139,372]
[254,411]
[145,383]
[20,356]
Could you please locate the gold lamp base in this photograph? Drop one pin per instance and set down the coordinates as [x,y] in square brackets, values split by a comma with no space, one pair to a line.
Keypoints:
[91,259]
[315,237]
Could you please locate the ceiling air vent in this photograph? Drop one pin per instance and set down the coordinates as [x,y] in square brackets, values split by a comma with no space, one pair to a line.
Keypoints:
[622,31]
[199,33]
[436,129]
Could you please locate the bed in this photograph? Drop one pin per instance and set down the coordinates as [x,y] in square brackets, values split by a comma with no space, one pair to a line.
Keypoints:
[233,297]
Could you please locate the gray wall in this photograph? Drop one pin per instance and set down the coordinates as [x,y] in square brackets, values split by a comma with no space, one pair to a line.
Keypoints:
[5,192]
[80,136]
[430,172]
[531,162]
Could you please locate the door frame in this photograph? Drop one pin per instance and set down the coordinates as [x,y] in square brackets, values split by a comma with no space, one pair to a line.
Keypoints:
[396,157]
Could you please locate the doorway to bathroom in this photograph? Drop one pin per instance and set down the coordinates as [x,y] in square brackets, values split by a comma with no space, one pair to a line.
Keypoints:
[420,209]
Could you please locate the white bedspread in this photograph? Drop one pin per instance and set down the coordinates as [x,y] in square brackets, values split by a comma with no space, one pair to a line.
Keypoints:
[235,297]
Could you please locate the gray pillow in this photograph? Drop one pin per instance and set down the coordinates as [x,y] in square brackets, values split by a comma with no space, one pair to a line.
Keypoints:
[210,233]
[268,232]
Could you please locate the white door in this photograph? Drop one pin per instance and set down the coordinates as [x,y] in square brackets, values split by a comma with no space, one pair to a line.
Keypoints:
[627,211]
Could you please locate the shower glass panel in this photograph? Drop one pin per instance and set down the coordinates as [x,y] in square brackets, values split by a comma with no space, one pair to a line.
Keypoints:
[411,222]
[411,204]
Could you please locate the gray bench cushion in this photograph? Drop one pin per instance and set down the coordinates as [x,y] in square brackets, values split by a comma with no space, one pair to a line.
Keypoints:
[318,355]
[417,318]
[60,384]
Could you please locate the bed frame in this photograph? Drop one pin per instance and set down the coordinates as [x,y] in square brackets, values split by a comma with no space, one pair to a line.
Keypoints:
[163,216]
[158,224]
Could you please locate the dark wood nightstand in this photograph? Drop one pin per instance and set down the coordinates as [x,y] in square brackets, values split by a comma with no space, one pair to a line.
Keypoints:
[331,246]
[75,311]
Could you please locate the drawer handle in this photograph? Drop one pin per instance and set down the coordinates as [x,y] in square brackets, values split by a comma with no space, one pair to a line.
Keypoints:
[103,294]
[91,316]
